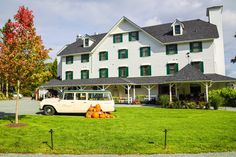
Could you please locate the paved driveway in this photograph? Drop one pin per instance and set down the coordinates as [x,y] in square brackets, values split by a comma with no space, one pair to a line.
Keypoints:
[26,106]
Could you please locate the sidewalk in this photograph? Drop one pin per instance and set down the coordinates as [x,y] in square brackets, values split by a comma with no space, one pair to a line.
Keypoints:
[224,154]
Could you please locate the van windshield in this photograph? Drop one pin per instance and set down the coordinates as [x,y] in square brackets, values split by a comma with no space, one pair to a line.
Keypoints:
[99,96]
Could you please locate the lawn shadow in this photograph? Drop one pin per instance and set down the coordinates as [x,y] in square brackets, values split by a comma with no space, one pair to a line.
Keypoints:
[71,114]
[9,116]
[45,142]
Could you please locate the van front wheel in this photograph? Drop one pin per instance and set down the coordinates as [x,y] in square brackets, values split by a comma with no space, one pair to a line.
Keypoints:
[49,110]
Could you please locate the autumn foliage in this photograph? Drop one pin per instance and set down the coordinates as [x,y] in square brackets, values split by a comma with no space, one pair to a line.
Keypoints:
[22,53]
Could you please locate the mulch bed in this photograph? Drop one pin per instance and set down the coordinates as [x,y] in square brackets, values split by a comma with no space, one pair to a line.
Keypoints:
[14,125]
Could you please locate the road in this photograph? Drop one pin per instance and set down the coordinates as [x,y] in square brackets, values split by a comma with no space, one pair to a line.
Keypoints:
[26,106]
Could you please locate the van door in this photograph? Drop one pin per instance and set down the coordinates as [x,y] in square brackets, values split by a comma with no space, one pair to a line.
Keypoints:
[81,104]
[66,104]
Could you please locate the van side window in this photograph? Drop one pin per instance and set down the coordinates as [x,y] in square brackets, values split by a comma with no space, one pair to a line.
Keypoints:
[69,96]
[80,96]
[99,96]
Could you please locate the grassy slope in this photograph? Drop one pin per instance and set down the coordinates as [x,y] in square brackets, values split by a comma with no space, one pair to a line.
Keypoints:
[134,130]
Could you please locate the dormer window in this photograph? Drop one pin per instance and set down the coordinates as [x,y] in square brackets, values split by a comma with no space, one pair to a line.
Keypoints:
[86,42]
[177,28]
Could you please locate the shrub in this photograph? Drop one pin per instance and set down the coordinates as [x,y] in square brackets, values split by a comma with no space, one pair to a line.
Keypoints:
[202,105]
[116,99]
[178,104]
[164,100]
[229,96]
[140,98]
[215,99]
[2,96]
[191,104]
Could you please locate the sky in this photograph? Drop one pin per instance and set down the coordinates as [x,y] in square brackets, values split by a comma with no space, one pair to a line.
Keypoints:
[59,21]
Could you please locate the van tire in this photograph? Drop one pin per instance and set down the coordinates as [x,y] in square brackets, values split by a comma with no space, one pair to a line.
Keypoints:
[49,110]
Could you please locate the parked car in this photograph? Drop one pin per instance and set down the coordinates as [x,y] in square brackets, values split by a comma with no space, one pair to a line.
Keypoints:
[15,95]
[78,101]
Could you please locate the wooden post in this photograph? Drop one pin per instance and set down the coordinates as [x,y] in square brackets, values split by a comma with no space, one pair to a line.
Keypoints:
[206,85]
[149,93]
[157,91]
[176,91]
[170,92]
[134,94]
[128,88]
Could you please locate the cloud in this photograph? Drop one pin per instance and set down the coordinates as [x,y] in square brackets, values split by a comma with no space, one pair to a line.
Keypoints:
[152,21]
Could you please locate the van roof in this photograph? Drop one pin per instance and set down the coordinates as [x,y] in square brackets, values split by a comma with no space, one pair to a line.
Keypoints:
[94,91]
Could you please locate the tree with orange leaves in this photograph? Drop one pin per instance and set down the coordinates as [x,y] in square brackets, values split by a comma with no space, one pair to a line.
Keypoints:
[21,50]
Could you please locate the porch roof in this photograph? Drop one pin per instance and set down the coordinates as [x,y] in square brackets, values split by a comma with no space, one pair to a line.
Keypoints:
[186,74]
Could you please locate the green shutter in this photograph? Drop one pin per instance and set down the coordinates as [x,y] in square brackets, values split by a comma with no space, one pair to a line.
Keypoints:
[106,55]
[200,48]
[137,35]
[119,70]
[176,49]
[168,69]
[121,36]
[119,54]
[114,38]
[141,52]
[191,47]
[130,36]
[167,49]
[176,67]
[127,71]
[106,73]
[126,53]
[141,70]
[202,67]
[149,70]
[100,73]
[87,74]
[149,51]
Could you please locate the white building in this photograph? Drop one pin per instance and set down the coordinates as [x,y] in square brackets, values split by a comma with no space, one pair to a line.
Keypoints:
[130,60]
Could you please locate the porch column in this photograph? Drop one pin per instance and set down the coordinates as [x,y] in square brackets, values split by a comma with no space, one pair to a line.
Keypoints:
[103,87]
[134,94]
[206,86]
[157,91]
[176,91]
[128,88]
[170,92]
[149,93]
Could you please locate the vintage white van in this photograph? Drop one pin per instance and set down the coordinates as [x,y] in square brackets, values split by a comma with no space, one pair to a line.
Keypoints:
[78,101]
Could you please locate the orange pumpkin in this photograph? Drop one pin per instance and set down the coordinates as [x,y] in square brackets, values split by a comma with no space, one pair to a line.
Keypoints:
[98,108]
[90,108]
[102,115]
[95,115]
[89,114]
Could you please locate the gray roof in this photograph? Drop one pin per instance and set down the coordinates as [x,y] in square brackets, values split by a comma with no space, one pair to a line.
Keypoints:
[188,74]
[220,78]
[77,46]
[193,30]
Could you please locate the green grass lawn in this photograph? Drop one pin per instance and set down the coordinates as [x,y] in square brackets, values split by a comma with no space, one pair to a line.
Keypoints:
[132,131]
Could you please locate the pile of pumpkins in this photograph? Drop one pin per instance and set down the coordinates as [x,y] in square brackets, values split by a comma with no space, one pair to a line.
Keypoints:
[96,112]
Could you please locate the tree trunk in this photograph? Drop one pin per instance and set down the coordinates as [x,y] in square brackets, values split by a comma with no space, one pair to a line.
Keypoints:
[17,102]
[7,87]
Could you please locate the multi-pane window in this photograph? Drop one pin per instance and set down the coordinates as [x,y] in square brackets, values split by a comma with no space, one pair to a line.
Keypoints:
[84,58]
[145,51]
[177,29]
[86,42]
[84,74]
[123,72]
[69,59]
[133,36]
[103,73]
[172,68]
[103,55]
[199,65]
[171,49]
[117,38]
[196,47]
[145,70]
[123,53]
[69,75]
